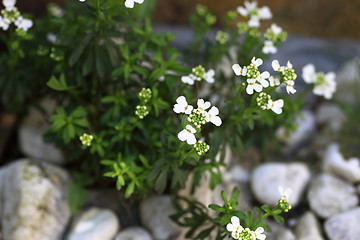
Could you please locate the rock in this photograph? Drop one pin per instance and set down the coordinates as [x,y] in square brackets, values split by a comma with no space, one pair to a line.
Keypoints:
[30,136]
[33,201]
[329,195]
[236,174]
[285,235]
[266,178]
[308,228]
[306,127]
[344,225]
[334,162]
[154,214]
[331,116]
[95,224]
[133,233]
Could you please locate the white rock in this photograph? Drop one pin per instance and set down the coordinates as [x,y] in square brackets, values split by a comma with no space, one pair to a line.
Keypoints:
[334,162]
[329,195]
[331,116]
[236,174]
[154,214]
[308,228]
[286,234]
[33,201]
[133,233]
[30,136]
[305,128]
[266,178]
[95,224]
[344,226]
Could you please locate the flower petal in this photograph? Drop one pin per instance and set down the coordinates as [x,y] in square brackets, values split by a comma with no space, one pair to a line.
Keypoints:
[237,69]
[216,120]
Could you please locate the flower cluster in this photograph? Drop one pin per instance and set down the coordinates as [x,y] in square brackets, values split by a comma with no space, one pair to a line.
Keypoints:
[12,15]
[273,36]
[199,73]
[241,233]
[86,139]
[254,14]
[284,200]
[221,37]
[144,96]
[288,75]
[128,3]
[196,118]
[265,102]
[203,12]
[324,84]
[141,111]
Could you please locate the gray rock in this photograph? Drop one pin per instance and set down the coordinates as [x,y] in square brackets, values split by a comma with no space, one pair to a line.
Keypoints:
[286,234]
[134,233]
[331,116]
[33,201]
[266,179]
[95,224]
[30,136]
[154,214]
[344,226]
[334,162]
[329,195]
[308,228]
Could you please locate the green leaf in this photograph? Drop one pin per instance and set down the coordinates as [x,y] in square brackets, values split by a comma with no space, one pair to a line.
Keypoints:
[160,183]
[76,197]
[120,182]
[130,189]
[59,85]
[75,55]
[107,162]
[223,196]
[278,218]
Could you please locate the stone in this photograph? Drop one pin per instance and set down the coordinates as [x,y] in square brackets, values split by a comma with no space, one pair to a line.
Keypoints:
[266,178]
[30,136]
[94,224]
[33,201]
[334,163]
[330,116]
[133,233]
[286,234]
[344,225]
[329,195]
[308,228]
[154,214]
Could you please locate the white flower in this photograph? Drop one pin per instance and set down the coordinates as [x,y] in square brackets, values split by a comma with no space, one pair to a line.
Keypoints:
[285,194]
[274,81]
[253,13]
[308,73]
[254,21]
[189,79]
[276,66]
[276,106]
[188,135]
[234,227]
[249,7]
[182,106]
[261,79]
[23,24]
[252,85]
[51,38]
[9,4]
[4,23]
[130,3]
[328,88]
[290,87]
[289,65]
[239,70]
[82,0]
[258,234]
[209,76]
[269,47]
[276,29]
[202,105]
[212,116]
[256,61]
[265,13]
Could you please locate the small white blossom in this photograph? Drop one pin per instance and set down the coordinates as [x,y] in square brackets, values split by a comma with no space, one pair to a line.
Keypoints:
[4,23]
[82,0]
[274,81]
[289,65]
[190,79]
[284,193]
[253,13]
[269,47]
[256,61]
[276,106]
[202,105]
[130,3]
[290,87]
[182,106]
[276,66]
[234,227]
[276,29]
[212,116]
[23,24]
[239,70]
[262,79]
[188,135]
[209,76]
[252,85]
[328,88]
[258,234]
[308,73]
[9,4]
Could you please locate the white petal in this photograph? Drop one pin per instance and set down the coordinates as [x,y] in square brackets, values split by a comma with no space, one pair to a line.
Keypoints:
[214,111]
[257,87]
[259,230]
[237,69]
[249,89]
[289,65]
[264,83]
[242,11]
[129,3]
[216,120]
[276,110]
[279,103]
[183,135]
[235,220]
[189,109]
[254,22]
[190,128]
[258,62]
[265,74]
[275,65]
[181,100]
[178,109]
[139,1]
[191,140]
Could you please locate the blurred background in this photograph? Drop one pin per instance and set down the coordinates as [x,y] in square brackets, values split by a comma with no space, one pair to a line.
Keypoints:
[318,18]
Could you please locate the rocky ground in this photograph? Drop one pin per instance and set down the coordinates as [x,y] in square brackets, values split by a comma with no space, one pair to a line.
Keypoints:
[325,184]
